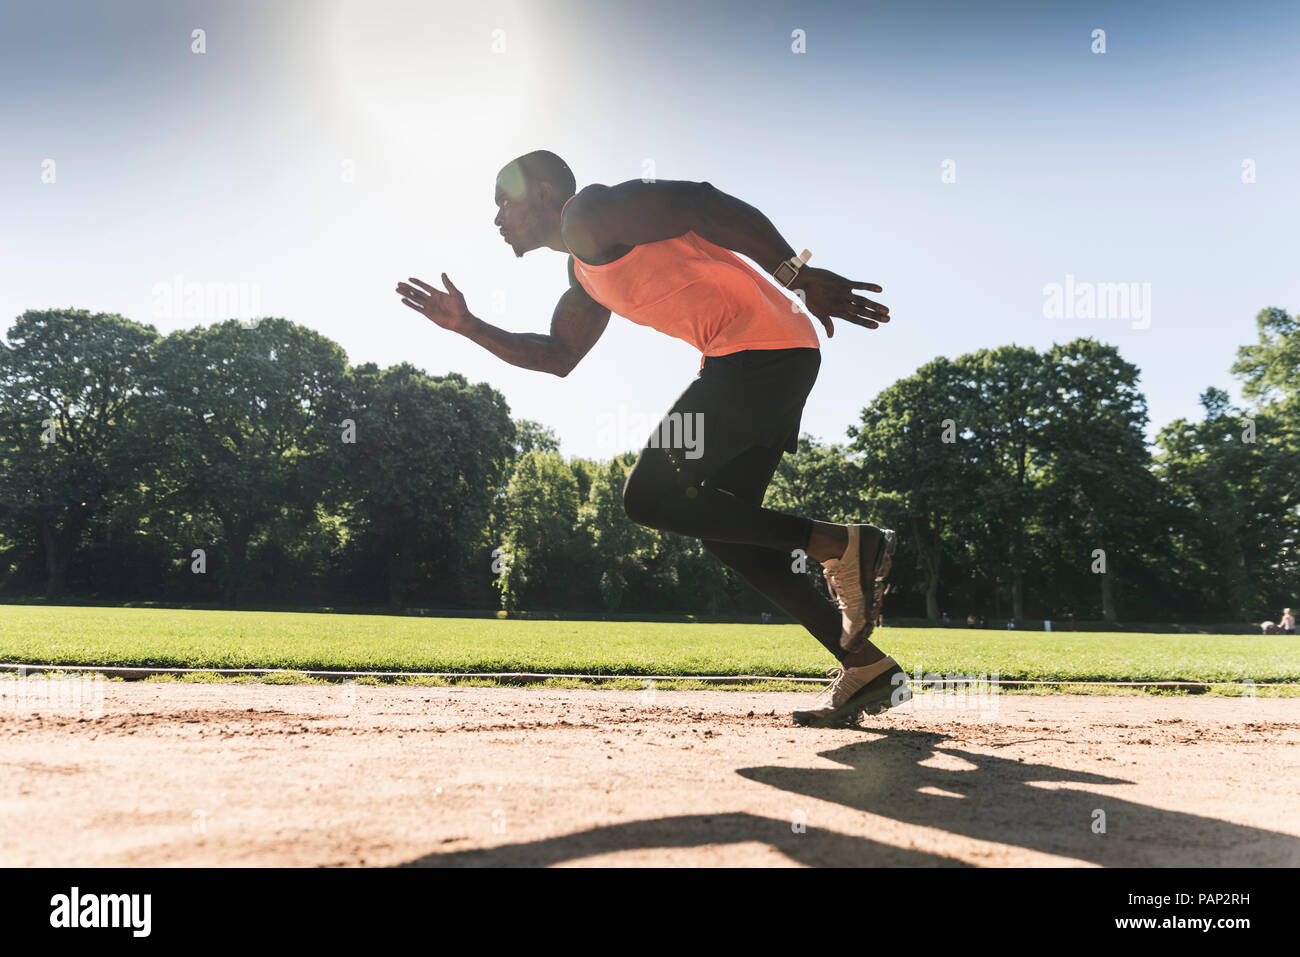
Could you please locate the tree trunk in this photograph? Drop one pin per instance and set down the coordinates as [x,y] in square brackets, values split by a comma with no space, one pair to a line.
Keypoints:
[927,553]
[1238,579]
[396,583]
[235,571]
[1018,541]
[1107,603]
[56,560]
[1107,600]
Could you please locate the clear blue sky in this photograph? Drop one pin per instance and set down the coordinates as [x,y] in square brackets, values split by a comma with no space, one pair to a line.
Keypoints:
[226,167]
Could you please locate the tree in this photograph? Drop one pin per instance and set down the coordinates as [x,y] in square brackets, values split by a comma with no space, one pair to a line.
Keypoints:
[1236,476]
[421,476]
[537,524]
[1097,482]
[820,481]
[585,472]
[1270,369]
[1005,421]
[69,384]
[917,464]
[1239,501]
[250,427]
[620,546]
[1270,374]
[530,435]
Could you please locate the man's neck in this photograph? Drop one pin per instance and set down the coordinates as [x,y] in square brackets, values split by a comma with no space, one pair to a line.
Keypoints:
[556,241]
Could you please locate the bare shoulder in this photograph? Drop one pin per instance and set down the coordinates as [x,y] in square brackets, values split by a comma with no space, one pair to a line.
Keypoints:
[597,198]
[586,199]
[580,227]
[602,218]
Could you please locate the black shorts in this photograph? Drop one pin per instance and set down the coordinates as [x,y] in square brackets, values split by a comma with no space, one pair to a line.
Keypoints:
[737,402]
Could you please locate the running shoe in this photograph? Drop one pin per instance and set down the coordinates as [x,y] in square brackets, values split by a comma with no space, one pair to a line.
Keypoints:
[869,689]
[865,564]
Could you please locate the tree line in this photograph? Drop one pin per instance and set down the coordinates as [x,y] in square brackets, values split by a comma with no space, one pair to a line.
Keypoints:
[251,463]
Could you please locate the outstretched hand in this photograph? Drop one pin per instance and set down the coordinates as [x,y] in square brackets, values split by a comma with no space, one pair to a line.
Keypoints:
[447,309]
[828,295]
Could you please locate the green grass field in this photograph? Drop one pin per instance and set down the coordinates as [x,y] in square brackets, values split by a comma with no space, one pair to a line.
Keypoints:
[232,639]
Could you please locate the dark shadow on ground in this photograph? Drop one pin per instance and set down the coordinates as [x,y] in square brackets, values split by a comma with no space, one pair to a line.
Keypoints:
[994,801]
[813,846]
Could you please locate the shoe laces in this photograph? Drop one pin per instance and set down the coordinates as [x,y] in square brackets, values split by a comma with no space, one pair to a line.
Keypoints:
[841,592]
[837,675]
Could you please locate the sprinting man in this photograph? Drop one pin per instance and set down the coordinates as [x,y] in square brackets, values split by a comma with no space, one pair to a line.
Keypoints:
[661,254]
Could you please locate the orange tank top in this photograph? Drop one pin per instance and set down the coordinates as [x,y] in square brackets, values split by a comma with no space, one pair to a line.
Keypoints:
[699,292]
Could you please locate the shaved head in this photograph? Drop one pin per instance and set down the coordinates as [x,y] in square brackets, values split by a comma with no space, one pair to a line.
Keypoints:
[521,179]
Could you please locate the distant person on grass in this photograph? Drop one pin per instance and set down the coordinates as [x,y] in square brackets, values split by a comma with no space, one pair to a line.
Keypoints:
[1284,627]
[662,254]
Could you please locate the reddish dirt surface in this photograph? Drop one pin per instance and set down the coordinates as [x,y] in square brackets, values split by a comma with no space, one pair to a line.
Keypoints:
[243,774]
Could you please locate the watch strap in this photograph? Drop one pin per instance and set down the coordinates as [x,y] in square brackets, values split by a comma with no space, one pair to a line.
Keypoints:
[789,268]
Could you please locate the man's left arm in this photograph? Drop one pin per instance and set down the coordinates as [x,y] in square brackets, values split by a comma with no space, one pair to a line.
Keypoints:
[633,213]
[734,224]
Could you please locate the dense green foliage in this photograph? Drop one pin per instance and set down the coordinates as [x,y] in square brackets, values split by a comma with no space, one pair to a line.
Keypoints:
[229,465]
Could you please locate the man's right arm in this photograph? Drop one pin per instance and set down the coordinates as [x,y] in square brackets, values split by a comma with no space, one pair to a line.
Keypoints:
[576,324]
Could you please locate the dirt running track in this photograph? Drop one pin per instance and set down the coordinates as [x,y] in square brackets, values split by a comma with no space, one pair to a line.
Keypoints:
[226,774]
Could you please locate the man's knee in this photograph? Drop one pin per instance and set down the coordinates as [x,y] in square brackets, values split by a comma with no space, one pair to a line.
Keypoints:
[657,489]
[641,500]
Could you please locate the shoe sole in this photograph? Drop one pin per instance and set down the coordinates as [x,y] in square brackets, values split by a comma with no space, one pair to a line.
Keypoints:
[884,561]
[881,693]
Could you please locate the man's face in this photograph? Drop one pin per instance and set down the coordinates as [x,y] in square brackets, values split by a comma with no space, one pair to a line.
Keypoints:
[517,211]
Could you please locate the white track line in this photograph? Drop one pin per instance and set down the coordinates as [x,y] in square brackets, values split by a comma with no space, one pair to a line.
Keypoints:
[531,676]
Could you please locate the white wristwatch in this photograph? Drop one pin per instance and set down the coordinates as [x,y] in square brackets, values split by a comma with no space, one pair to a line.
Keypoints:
[785,273]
